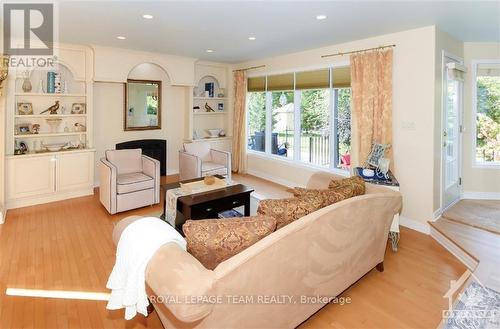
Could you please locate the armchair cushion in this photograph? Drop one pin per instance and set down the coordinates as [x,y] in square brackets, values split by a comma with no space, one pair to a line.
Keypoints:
[126,161]
[133,182]
[200,149]
[209,166]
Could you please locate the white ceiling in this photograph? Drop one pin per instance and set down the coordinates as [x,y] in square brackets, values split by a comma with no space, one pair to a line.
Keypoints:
[188,28]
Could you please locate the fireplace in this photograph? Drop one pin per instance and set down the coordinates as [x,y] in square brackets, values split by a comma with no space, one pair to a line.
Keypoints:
[154,148]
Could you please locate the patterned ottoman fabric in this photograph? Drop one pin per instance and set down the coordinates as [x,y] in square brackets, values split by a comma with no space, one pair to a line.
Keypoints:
[212,241]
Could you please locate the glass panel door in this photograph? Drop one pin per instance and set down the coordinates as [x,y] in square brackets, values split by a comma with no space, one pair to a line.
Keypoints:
[451,157]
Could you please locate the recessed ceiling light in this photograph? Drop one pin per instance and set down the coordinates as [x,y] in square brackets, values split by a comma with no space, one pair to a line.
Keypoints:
[210,50]
[320,17]
[121,37]
[147,16]
[252,38]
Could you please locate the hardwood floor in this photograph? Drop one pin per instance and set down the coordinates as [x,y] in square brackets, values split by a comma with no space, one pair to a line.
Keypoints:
[67,246]
[480,244]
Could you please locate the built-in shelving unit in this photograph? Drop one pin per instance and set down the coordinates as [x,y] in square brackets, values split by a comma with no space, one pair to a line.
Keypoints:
[51,135]
[64,127]
[199,118]
[210,113]
[53,95]
[50,157]
[46,116]
[210,98]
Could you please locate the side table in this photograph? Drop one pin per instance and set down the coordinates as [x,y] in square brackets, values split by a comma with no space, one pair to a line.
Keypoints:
[393,184]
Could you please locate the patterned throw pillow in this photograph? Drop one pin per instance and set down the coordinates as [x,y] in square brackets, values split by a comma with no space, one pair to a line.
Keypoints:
[356,183]
[287,210]
[212,241]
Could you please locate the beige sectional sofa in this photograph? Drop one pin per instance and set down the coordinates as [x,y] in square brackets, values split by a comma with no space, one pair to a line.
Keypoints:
[274,283]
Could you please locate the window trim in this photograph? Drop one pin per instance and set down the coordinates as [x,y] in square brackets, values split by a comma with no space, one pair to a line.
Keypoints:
[475,164]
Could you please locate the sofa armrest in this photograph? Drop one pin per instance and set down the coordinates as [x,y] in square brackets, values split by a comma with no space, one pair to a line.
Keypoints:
[189,166]
[220,157]
[223,158]
[107,185]
[151,167]
[321,180]
[120,227]
[174,273]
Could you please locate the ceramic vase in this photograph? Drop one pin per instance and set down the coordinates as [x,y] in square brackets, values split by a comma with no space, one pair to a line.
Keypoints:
[27,85]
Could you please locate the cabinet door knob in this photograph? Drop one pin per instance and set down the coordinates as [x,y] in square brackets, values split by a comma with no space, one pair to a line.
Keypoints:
[208,209]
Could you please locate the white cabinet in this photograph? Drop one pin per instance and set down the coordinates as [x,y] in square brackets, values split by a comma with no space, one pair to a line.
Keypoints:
[30,176]
[40,178]
[74,171]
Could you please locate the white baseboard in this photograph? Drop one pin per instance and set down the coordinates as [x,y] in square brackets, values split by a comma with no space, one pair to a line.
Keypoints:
[449,245]
[273,179]
[31,201]
[481,195]
[437,214]
[3,214]
[414,225]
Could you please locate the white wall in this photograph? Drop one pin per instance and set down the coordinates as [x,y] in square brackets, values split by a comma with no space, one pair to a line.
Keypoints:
[108,115]
[477,181]
[114,65]
[414,78]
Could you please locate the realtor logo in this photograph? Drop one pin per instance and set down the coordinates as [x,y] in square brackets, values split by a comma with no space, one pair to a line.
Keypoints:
[28,29]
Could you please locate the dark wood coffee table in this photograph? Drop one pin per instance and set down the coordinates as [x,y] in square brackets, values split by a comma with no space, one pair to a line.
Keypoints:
[208,204]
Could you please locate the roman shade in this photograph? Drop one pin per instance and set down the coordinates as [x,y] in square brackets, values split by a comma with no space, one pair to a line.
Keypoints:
[256,84]
[280,82]
[341,77]
[488,70]
[312,79]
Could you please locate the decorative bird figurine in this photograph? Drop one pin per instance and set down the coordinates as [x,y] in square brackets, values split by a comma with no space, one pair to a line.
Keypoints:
[208,108]
[53,109]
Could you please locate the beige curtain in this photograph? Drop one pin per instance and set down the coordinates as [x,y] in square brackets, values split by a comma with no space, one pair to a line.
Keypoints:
[239,154]
[371,103]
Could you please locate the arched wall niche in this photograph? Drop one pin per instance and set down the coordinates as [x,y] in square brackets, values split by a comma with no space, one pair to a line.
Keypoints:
[149,71]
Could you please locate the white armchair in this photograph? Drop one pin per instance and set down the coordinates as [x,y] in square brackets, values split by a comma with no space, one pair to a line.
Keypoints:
[128,180]
[199,160]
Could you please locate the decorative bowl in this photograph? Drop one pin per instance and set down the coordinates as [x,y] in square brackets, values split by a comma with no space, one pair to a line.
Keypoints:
[214,132]
[209,180]
[54,147]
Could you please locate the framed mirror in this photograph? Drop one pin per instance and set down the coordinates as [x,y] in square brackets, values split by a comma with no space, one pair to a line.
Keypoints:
[142,105]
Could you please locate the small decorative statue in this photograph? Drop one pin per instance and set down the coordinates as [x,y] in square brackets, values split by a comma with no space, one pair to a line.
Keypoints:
[79,127]
[53,109]
[36,128]
[208,108]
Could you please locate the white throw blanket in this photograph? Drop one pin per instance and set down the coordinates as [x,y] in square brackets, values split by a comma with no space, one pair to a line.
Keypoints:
[138,243]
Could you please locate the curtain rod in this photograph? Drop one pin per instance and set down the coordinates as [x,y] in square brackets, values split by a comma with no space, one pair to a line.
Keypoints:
[250,68]
[358,51]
